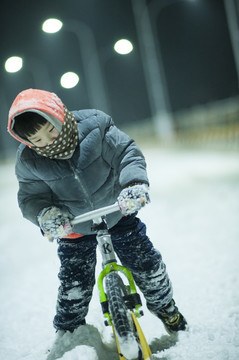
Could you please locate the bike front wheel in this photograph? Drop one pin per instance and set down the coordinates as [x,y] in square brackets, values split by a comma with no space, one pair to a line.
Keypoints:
[121,317]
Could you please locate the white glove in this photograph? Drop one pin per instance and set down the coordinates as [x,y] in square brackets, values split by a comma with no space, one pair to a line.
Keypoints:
[54,223]
[131,199]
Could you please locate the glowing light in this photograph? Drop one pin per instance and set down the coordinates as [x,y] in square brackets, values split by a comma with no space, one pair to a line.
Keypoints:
[13,64]
[52,26]
[123,47]
[69,80]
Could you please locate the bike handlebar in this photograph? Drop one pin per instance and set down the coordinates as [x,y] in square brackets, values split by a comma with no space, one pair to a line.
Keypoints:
[91,215]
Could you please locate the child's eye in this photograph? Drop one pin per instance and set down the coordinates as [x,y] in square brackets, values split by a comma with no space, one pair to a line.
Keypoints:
[52,129]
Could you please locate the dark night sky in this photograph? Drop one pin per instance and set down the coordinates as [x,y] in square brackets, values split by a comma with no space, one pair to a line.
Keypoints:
[193,37]
[197,53]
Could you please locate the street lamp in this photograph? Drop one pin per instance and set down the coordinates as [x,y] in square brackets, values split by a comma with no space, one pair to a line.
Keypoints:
[153,64]
[7,143]
[36,67]
[153,69]
[232,14]
[52,26]
[69,80]
[90,60]
[123,47]
[13,64]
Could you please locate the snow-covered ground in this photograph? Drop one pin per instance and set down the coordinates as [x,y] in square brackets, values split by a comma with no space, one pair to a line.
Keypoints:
[193,220]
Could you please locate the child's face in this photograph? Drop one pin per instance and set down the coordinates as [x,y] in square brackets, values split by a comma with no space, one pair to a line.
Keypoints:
[46,135]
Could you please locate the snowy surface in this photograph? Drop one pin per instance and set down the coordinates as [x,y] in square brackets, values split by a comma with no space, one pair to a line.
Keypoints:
[193,220]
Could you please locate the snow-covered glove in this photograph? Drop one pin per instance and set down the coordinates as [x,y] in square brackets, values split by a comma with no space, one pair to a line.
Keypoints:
[132,198]
[54,223]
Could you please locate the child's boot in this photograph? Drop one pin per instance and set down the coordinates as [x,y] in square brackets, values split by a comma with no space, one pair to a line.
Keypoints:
[172,319]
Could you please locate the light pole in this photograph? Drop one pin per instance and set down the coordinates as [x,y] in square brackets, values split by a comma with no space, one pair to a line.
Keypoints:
[35,66]
[7,148]
[39,73]
[153,69]
[91,64]
[232,13]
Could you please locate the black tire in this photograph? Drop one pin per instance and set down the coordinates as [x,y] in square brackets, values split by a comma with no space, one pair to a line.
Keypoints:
[121,318]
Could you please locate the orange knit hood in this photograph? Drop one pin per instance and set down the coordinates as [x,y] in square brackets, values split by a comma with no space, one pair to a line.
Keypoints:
[46,103]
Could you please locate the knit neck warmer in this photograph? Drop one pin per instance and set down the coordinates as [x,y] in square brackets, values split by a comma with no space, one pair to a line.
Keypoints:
[65,144]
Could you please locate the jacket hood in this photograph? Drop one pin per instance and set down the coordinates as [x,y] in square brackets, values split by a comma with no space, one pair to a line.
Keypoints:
[45,103]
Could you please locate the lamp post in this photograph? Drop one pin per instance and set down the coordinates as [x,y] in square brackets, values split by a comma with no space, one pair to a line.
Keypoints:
[91,63]
[232,14]
[35,66]
[153,69]
[39,73]
[7,149]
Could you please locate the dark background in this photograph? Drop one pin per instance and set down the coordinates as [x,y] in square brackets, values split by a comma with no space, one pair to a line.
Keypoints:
[192,36]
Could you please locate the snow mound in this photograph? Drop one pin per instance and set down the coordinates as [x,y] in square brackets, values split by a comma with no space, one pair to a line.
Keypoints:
[84,343]
[81,352]
[129,347]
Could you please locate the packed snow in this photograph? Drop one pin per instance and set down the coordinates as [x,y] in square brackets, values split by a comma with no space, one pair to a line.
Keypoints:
[193,219]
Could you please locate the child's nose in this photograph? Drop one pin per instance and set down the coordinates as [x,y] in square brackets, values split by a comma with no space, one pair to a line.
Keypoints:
[51,140]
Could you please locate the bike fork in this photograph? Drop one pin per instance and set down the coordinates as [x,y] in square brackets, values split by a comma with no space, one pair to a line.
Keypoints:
[109,265]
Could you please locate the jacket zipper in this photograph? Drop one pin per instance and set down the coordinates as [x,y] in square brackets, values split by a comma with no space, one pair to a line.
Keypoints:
[81,185]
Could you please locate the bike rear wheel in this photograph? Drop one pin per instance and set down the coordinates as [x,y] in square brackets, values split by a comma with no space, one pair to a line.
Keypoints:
[121,317]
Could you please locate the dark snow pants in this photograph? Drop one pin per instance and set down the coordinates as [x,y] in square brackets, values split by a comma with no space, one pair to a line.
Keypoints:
[77,271]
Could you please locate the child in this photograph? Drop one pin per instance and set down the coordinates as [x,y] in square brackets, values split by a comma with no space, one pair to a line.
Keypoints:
[69,163]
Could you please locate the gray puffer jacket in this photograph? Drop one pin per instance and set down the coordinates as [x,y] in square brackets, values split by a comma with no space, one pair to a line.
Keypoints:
[105,161]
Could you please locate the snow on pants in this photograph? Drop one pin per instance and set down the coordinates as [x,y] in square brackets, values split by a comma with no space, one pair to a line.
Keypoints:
[77,271]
